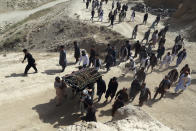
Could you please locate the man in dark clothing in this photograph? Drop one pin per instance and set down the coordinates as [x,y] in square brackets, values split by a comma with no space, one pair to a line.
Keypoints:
[87,4]
[160,52]
[112,88]
[110,15]
[109,61]
[134,34]
[123,52]
[128,45]
[114,55]
[145,93]
[109,49]
[117,104]
[164,85]
[158,18]
[92,14]
[185,69]
[140,75]
[31,62]
[92,56]
[146,36]
[177,39]
[122,93]
[153,61]
[112,19]
[135,88]
[90,115]
[76,51]
[181,56]
[173,76]
[97,64]
[162,41]
[143,53]
[101,88]
[145,18]
[62,58]
[137,49]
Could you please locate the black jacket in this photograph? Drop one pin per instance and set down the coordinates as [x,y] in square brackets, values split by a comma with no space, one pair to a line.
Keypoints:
[101,86]
[29,58]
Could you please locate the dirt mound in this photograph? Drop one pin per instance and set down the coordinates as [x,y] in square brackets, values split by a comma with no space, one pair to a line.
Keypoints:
[58,29]
[184,18]
[163,3]
[127,118]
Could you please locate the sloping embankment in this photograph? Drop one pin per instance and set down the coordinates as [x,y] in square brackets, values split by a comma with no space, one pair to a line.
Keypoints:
[128,118]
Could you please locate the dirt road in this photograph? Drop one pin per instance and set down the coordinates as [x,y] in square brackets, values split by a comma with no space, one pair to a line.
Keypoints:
[27,103]
[16,16]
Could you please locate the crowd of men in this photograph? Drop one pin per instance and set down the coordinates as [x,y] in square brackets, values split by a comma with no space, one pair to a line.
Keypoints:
[147,55]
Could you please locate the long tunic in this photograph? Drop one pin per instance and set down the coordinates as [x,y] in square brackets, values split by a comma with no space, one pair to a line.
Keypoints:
[183,82]
[62,58]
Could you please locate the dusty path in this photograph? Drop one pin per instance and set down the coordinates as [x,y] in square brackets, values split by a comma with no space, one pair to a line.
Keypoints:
[28,102]
[16,16]
[178,110]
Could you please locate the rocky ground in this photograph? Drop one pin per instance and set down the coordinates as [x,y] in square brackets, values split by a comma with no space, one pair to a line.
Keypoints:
[32,97]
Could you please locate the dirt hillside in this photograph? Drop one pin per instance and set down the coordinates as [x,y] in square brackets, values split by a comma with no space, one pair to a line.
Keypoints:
[28,103]
[185,16]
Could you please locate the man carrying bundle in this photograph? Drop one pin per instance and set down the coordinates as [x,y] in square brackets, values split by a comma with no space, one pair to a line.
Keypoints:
[123,94]
[117,104]
[84,58]
[90,115]
[60,87]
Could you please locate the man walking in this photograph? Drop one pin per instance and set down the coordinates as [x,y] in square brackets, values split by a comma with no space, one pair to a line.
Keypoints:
[31,62]
[62,58]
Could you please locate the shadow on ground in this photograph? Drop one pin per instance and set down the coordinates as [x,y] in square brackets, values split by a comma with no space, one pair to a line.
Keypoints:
[66,114]
[17,75]
[52,71]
